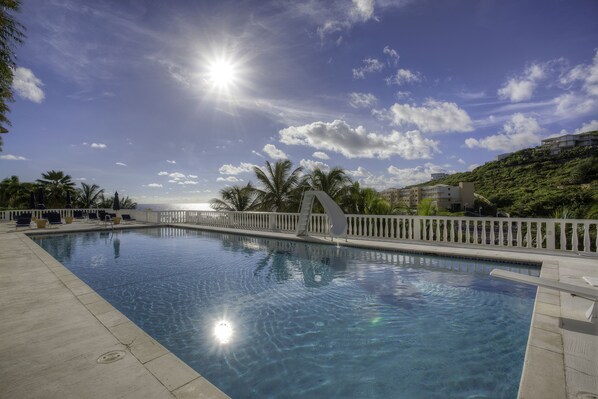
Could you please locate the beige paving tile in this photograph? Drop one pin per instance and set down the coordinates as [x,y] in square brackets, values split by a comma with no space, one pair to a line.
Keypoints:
[89,298]
[112,318]
[200,388]
[100,307]
[543,381]
[546,340]
[171,372]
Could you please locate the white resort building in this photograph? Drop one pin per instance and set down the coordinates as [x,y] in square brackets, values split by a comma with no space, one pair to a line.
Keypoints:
[443,196]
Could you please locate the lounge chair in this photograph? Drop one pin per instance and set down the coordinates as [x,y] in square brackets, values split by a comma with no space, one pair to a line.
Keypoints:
[54,218]
[92,216]
[591,294]
[77,214]
[127,218]
[23,221]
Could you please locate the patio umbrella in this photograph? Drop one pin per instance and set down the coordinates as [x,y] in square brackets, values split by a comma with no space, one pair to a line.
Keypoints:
[41,198]
[116,203]
[69,205]
[31,200]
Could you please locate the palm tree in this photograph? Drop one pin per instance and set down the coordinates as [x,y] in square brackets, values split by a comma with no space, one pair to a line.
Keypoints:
[426,207]
[235,198]
[14,194]
[88,196]
[334,183]
[127,203]
[11,34]
[279,191]
[56,184]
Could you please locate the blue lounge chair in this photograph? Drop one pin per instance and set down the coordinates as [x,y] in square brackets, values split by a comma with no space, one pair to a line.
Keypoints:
[127,218]
[77,214]
[92,216]
[54,218]
[23,221]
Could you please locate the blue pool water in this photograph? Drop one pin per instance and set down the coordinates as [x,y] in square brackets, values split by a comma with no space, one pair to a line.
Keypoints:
[312,321]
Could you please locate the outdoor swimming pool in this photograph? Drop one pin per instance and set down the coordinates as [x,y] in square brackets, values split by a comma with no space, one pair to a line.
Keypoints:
[264,318]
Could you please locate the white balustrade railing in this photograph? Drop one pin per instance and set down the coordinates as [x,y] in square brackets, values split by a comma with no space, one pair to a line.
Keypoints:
[12,214]
[575,235]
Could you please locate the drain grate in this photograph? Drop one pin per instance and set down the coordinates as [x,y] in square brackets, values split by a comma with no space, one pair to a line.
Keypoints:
[111,357]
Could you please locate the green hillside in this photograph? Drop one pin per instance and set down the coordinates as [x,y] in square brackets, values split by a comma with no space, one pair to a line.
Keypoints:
[533,183]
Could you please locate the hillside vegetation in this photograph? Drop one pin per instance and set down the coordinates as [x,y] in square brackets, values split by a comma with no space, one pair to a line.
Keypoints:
[533,183]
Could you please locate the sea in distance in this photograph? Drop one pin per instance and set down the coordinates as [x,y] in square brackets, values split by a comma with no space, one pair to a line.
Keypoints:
[192,206]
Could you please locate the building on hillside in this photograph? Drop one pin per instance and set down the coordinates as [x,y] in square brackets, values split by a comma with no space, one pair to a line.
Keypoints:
[558,144]
[443,196]
[390,195]
[439,175]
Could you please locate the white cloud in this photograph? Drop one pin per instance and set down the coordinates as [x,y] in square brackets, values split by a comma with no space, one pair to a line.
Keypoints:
[81,178]
[571,104]
[190,182]
[98,146]
[192,176]
[230,179]
[169,161]
[461,161]
[162,173]
[320,155]
[404,76]
[339,137]
[121,164]
[158,185]
[370,65]
[243,167]
[396,177]
[362,100]
[310,165]
[586,74]
[257,153]
[473,166]
[432,117]
[176,175]
[363,10]
[588,127]
[273,152]
[522,88]
[517,133]
[392,54]
[339,16]
[10,157]
[27,85]
[173,181]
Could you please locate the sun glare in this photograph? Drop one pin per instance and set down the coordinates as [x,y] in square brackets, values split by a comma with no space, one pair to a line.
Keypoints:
[221,74]
[223,332]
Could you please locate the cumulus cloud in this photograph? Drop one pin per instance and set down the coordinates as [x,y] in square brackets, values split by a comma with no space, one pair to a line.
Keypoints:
[588,127]
[396,177]
[517,133]
[162,173]
[121,164]
[98,146]
[257,153]
[574,104]
[320,155]
[157,185]
[370,65]
[343,17]
[522,87]
[310,165]
[461,161]
[432,117]
[10,157]
[192,176]
[404,76]
[169,161]
[189,182]
[243,167]
[27,85]
[363,10]
[177,175]
[339,137]
[392,54]
[273,152]
[587,75]
[362,100]
[230,179]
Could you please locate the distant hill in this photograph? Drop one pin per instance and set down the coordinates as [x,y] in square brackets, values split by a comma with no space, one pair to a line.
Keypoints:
[533,183]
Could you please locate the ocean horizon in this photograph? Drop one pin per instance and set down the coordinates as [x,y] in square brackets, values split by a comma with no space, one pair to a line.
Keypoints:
[176,206]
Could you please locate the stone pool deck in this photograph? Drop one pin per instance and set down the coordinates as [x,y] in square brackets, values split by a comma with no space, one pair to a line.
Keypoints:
[57,336]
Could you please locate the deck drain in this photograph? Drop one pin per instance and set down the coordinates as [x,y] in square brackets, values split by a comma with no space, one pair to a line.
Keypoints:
[111,357]
[586,395]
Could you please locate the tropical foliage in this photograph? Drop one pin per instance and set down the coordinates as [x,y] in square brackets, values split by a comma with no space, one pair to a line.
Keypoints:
[55,185]
[235,198]
[534,183]
[11,35]
[279,187]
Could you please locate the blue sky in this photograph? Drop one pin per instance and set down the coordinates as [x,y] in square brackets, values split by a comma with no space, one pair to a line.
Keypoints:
[172,101]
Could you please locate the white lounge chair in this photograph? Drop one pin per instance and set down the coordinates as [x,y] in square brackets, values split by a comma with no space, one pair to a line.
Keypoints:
[588,293]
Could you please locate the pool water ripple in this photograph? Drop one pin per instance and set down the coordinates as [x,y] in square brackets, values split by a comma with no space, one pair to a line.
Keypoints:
[312,321]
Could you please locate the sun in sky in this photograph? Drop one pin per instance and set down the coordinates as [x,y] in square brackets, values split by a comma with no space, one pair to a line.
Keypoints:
[222,74]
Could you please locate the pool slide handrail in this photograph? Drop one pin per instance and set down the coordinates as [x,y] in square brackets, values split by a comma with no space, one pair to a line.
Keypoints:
[588,293]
